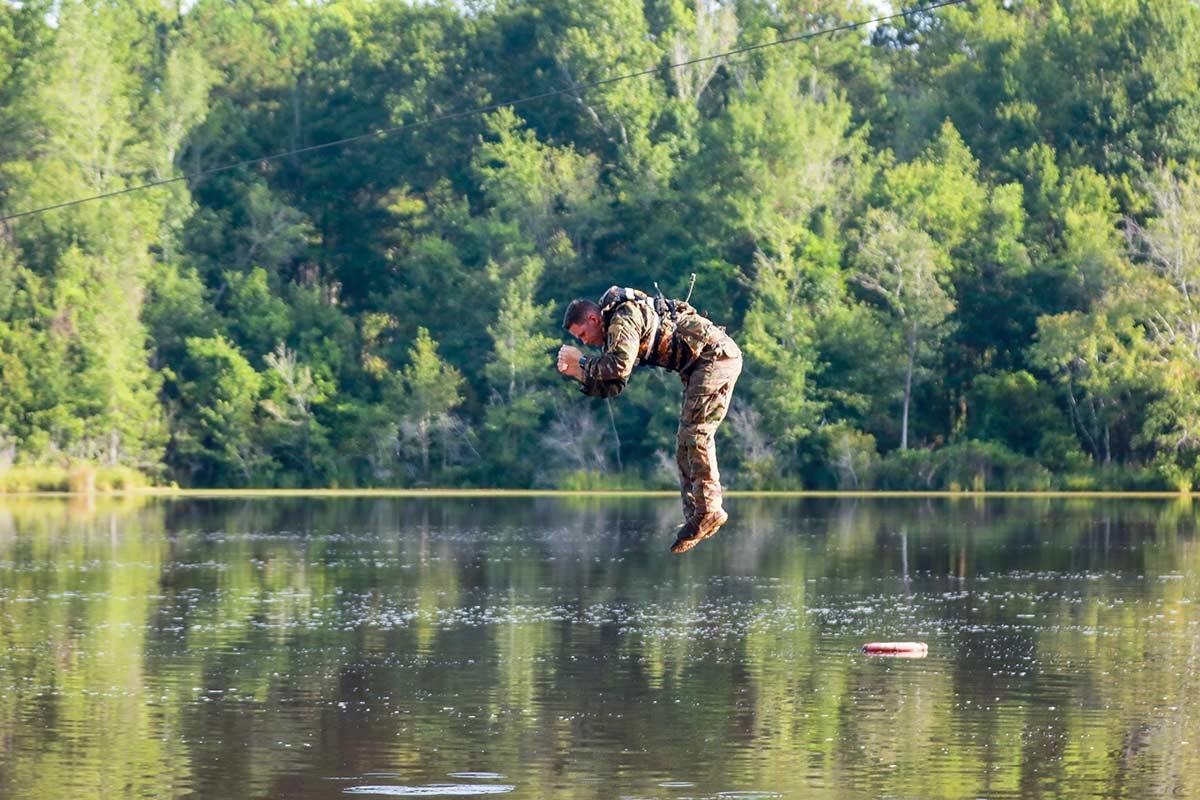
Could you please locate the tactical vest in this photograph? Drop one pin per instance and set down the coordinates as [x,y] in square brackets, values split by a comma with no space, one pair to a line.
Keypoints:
[677,334]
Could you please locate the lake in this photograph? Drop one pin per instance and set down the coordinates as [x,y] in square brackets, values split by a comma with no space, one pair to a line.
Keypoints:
[552,647]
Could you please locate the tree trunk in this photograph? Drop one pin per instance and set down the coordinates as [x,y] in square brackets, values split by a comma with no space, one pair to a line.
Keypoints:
[908,375]
[423,440]
[307,455]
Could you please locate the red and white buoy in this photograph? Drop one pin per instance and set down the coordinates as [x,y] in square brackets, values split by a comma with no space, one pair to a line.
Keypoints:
[896,649]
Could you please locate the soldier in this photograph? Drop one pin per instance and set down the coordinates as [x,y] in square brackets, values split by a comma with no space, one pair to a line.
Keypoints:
[634,329]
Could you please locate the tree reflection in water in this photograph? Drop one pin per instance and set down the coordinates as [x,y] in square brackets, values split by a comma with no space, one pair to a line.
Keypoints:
[303,648]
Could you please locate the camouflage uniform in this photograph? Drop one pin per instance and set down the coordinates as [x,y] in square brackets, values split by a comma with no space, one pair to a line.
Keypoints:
[672,335]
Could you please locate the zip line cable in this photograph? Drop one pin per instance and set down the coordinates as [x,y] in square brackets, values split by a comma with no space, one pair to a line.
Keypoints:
[457,115]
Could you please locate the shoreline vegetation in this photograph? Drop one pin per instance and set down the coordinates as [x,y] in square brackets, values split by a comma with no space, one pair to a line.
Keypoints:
[73,479]
[85,481]
[958,250]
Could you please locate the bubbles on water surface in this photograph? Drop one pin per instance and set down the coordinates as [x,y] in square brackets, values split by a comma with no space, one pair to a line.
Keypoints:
[433,790]
[461,635]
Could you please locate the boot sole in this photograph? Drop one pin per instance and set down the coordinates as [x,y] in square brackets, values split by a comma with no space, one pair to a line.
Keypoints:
[683,545]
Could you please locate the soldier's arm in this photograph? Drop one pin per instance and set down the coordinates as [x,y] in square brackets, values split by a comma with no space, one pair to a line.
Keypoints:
[593,387]
[620,349]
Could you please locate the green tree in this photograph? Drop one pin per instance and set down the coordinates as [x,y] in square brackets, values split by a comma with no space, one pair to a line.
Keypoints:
[1100,81]
[517,372]
[259,319]
[939,192]
[1022,413]
[1097,361]
[851,455]
[297,437]
[431,390]
[906,271]
[778,337]
[214,441]
[536,186]
[115,390]
[1169,247]
[86,102]
[783,151]
[596,41]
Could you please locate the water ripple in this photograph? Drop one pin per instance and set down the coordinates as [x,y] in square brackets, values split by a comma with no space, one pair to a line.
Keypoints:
[434,790]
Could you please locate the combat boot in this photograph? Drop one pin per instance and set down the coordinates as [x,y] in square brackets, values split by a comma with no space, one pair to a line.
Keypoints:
[711,522]
[698,528]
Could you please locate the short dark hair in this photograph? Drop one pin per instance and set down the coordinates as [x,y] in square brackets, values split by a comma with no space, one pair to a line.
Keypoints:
[577,312]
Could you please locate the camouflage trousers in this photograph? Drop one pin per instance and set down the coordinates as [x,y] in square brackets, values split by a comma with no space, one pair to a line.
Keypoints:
[707,393]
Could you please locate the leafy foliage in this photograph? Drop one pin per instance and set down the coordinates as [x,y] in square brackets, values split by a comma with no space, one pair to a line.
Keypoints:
[967,239]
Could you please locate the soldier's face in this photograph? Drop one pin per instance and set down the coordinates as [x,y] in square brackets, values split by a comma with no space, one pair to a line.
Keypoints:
[590,331]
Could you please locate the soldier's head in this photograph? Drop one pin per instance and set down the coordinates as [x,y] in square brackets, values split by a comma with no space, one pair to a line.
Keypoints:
[585,322]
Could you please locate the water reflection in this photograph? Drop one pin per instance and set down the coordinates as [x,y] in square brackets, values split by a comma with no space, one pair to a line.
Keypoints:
[552,647]
[436,790]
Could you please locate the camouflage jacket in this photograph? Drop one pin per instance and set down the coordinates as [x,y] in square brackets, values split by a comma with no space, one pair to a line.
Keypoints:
[656,332]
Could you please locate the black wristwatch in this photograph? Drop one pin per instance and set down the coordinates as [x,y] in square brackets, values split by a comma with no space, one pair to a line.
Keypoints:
[583,364]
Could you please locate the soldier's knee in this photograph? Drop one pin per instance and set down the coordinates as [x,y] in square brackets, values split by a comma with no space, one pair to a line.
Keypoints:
[692,440]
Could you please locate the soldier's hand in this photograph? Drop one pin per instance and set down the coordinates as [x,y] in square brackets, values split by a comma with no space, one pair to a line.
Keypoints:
[568,361]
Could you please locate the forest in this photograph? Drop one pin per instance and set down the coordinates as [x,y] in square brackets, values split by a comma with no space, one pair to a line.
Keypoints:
[959,247]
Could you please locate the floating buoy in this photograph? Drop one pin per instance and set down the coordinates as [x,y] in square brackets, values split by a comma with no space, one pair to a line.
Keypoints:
[896,649]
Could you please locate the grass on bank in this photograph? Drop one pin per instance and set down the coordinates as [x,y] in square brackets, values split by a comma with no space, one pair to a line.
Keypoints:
[76,479]
[957,477]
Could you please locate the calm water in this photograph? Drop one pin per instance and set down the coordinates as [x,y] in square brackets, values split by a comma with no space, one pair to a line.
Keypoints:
[553,648]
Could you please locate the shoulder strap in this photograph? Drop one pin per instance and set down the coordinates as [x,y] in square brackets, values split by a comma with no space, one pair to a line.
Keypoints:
[617,296]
